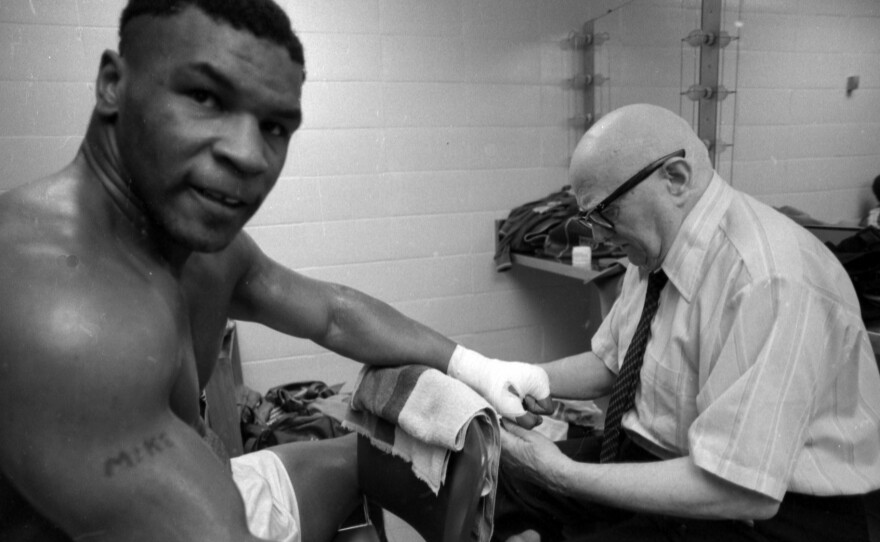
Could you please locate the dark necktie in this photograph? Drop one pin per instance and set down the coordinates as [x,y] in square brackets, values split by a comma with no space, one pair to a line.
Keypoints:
[624,391]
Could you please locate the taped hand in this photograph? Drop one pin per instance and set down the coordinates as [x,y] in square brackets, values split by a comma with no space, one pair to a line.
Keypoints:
[517,390]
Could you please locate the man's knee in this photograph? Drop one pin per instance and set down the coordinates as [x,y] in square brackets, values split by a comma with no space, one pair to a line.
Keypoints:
[336,454]
[324,478]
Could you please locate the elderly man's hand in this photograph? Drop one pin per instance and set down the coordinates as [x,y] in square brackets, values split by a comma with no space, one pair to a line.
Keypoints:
[534,408]
[529,454]
[518,391]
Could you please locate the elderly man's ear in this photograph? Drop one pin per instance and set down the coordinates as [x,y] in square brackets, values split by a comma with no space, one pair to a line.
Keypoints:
[677,172]
[107,84]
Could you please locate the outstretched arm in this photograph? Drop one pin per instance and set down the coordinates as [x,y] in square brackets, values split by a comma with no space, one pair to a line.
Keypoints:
[337,317]
[370,331]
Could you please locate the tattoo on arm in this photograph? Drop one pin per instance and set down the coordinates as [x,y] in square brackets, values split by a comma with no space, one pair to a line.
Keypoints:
[130,458]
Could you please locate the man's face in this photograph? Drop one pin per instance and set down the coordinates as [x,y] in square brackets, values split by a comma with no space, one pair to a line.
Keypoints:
[205,116]
[635,219]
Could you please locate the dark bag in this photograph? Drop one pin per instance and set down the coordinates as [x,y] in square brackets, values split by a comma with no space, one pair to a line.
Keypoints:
[287,414]
[860,256]
[547,228]
[528,226]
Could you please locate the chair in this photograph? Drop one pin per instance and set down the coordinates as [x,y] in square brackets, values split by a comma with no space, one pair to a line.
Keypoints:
[387,481]
[224,416]
[449,516]
[872,508]
[872,500]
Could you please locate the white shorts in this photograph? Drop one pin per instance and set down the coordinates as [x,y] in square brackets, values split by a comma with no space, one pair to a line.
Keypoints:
[269,500]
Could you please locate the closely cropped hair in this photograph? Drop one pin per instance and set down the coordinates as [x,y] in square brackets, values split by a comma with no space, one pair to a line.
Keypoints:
[262,18]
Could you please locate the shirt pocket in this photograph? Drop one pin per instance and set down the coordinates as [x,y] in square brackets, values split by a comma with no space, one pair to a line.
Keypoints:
[667,403]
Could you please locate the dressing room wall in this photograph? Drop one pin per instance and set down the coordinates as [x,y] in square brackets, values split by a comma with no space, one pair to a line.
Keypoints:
[790,133]
[427,120]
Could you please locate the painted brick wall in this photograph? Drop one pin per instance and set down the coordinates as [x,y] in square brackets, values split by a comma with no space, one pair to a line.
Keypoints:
[800,140]
[426,120]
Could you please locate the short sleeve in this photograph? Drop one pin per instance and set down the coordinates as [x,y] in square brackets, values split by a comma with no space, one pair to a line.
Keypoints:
[780,353]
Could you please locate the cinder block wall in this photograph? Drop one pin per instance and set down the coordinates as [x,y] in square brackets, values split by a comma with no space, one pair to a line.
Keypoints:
[426,120]
[800,140]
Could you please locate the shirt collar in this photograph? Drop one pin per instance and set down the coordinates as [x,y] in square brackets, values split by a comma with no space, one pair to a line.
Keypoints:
[685,260]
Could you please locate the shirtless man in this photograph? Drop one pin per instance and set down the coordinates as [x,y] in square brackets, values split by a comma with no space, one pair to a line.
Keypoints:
[118,276]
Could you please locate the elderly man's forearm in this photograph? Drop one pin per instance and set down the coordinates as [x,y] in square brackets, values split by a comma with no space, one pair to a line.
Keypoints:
[674,487]
[581,376]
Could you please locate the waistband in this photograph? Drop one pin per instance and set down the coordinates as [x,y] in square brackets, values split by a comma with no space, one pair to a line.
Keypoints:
[827,503]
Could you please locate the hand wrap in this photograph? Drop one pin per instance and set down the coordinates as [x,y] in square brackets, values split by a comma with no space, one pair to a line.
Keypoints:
[504,384]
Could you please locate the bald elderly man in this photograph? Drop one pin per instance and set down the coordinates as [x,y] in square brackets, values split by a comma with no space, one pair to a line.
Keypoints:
[755,405]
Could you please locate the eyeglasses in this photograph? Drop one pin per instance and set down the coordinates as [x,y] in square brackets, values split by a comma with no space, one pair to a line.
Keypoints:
[594,217]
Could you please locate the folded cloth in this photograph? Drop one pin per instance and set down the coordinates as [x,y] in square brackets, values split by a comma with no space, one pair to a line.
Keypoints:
[422,415]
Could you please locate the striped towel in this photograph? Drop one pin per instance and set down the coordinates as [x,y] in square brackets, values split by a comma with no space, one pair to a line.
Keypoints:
[422,415]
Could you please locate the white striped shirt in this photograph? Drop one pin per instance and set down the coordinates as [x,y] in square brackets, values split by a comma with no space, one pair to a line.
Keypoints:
[759,366]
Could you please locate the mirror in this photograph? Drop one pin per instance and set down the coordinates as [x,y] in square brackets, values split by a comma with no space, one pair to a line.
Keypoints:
[796,99]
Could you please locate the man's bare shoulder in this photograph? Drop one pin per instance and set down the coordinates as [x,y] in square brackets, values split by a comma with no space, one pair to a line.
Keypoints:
[49,212]
[92,336]
[70,289]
